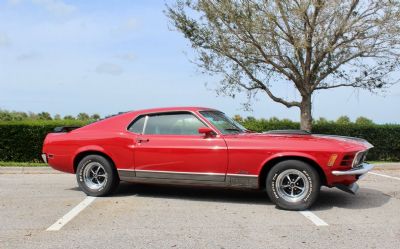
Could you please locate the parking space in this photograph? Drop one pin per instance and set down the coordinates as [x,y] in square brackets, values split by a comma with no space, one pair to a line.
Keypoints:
[155,216]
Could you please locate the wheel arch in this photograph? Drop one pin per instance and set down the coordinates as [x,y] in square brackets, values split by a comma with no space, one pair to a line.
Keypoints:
[268,165]
[79,156]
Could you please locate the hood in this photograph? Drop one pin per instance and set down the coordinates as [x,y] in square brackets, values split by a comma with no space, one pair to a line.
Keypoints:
[292,140]
[346,140]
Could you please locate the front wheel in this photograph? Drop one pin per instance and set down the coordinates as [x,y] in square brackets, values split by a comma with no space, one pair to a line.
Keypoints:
[293,185]
[96,176]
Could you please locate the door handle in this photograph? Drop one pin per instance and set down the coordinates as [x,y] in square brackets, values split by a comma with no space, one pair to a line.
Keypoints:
[142,140]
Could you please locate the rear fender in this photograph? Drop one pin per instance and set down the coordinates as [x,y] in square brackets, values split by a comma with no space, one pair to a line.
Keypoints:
[89,148]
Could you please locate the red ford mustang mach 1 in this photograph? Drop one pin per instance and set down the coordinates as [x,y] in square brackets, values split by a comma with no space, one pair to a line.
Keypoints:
[202,146]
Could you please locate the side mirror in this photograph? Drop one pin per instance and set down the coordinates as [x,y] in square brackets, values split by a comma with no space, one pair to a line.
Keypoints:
[207,131]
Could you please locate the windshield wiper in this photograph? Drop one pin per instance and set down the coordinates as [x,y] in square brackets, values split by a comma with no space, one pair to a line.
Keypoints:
[233,129]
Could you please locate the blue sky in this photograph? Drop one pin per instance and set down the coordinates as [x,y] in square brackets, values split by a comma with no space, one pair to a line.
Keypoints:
[104,57]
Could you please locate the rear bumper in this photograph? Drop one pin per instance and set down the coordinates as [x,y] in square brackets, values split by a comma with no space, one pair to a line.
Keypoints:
[360,170]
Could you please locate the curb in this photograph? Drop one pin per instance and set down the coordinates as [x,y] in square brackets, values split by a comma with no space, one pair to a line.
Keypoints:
[29,170]
[387,166]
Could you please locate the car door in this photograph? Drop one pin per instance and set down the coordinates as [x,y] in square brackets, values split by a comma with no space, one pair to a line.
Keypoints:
[170,147]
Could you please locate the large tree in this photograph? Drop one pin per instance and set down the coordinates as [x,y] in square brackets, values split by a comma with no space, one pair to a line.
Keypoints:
[313,45]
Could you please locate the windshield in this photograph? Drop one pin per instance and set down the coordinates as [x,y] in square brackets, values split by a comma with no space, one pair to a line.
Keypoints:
[223,123]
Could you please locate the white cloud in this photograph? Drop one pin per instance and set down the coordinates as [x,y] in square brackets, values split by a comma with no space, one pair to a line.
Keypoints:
[14,2]
[126,26]
[56,6]
[27,56]
[109,68]
[131,24]
[126,56]
[4,40]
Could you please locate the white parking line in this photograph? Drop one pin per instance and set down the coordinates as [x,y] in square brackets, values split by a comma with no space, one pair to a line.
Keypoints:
[312,217]
[71,214]
[391,177]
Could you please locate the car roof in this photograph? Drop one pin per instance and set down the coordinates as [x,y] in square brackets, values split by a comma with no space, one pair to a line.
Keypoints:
[172,109]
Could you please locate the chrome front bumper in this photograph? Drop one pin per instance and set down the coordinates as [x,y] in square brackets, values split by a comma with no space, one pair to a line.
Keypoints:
[360,170]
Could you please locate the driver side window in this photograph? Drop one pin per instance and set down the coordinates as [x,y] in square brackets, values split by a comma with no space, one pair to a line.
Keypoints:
[167,124]
[173,124]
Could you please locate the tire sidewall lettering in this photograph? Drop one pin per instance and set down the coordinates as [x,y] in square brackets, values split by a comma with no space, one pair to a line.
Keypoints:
[273,185]
[82,169]
[310,182]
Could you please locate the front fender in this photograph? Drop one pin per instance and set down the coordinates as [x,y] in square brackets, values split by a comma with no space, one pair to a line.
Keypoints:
[286,154]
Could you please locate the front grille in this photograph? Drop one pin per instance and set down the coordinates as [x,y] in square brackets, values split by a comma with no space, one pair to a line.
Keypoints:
[347,160]
[354,160]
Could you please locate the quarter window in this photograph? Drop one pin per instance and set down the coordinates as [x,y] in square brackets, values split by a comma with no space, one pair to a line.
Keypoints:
[137,126]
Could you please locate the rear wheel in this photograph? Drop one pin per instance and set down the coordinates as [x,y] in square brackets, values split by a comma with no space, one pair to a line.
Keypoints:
[293,185]
[96,176]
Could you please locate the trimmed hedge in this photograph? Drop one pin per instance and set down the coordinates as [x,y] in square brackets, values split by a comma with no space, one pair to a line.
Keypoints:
[22,141]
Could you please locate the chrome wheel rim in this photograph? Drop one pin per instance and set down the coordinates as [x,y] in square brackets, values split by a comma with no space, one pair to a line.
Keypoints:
[94,176]
[292,185]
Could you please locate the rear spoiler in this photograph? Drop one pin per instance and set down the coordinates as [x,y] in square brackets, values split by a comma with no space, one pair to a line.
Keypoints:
[65,129]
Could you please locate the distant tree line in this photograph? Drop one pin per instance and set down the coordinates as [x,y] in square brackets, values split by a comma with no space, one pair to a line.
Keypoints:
[23,116]
[342,120]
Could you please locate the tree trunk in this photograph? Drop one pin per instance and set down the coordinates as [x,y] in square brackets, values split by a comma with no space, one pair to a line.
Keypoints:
[305,114]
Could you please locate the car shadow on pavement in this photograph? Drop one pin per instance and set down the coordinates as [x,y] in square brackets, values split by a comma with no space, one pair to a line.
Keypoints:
[193,193]
[365,198]
[329,197]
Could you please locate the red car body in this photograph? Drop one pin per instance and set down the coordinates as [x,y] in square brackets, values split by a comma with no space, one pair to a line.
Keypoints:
[236,159]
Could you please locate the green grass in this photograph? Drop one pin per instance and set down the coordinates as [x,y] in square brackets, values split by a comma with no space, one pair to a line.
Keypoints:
[381,162]
[21,164]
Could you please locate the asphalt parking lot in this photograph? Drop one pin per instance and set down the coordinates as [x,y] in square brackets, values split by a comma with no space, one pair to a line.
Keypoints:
[42,209]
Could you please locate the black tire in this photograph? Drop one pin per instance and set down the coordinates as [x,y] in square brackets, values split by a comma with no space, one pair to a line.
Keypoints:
[100,183]
[287,193]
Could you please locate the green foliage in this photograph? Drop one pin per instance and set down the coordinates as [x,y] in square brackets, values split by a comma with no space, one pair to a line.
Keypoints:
[44,116]
[83,116]
[238,118]
[11,116]
[95,116]
[69,117]
[21,141]
[23,116]
[343,120]
[364,121]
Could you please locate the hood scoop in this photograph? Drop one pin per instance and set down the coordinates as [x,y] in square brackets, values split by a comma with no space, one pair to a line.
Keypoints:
[291,132]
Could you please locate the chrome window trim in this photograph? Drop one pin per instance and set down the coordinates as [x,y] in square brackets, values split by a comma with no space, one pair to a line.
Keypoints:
[146,118]
[147,115]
